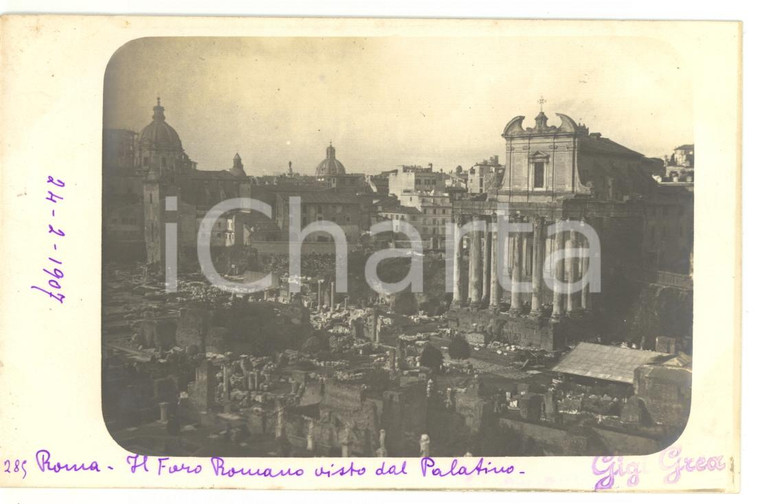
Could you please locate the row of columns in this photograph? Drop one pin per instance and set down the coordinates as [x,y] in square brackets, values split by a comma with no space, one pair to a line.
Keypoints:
[524,261]
[330,296]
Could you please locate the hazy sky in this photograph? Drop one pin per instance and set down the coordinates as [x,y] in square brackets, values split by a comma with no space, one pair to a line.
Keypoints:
[390,101]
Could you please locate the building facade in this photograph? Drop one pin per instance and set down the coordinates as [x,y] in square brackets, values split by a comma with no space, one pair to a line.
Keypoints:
[483,175]
[554,174]
[411,179]
[140,171]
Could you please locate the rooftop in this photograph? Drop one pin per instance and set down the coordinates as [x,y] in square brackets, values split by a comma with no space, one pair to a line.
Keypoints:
[329,197]
[599,144]
[400,209]
[214,175]
[604,362]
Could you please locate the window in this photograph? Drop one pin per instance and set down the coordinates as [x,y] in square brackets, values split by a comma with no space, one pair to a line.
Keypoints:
[538,175]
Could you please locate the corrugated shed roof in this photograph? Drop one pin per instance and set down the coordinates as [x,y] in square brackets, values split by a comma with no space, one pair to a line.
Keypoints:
[604,362]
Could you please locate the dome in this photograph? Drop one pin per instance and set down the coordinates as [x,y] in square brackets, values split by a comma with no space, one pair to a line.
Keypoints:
[158,134]
[330,165]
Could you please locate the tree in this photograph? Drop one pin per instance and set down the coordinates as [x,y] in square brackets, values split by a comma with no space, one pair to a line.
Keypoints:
[459,348]
[431,357]
[315,343]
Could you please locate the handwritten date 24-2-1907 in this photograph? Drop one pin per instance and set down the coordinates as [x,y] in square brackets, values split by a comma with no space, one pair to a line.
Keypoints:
[53,269]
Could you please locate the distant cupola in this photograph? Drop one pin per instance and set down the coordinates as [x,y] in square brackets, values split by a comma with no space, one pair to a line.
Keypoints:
[237,166]
[330,165]
[158,135]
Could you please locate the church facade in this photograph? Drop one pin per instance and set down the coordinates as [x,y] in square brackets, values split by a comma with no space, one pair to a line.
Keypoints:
[141,171]
[552,174]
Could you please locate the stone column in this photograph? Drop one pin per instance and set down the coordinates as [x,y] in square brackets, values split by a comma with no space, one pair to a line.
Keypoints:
[570,269]
[487,254]
[320,301]
[255,379]
[382,451]
[516,273]
[424,445]
[375,329]
[495,294]
[559,275]
[332,297]
[584,266]
[548,245]
[280,425]
[585,305]
[527,255]
[310,436]
[538,265]
[226,381]
[164,410]
[475,267]
[344,445]
[526,252]
[392,360]
[457,270]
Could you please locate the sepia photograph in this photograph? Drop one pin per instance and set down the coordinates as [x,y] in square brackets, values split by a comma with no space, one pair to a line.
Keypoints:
[397,246]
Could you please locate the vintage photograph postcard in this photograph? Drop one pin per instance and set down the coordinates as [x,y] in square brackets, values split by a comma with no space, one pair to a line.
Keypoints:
[370,254]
